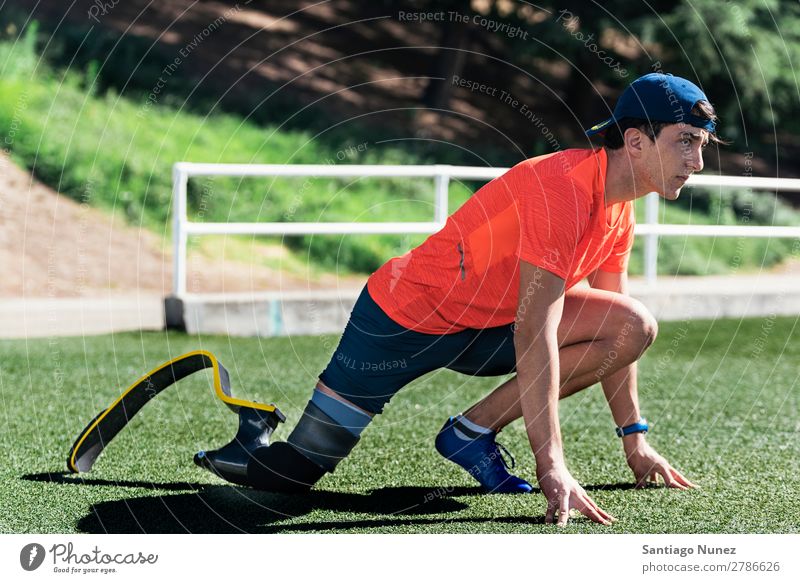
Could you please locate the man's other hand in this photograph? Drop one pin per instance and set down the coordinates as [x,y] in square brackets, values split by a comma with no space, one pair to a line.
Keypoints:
[562,493]
[647,465]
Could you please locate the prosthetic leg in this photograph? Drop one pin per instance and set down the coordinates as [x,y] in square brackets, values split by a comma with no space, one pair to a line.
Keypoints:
[315,446]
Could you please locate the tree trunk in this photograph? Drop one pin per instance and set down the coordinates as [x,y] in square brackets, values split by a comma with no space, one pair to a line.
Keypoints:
[449,62]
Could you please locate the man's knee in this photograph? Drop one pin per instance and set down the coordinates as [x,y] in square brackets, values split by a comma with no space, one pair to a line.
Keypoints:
[639,324]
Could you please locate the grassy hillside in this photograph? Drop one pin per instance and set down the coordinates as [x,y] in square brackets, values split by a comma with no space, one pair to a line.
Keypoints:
[116,152]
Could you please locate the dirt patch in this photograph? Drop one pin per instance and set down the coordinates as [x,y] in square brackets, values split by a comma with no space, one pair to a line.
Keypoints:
[52,246]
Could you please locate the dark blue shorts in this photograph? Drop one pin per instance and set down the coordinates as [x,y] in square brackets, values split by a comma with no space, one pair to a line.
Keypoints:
[377,357]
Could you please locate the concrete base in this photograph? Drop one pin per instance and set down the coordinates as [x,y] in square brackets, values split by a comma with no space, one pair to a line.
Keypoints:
[319,312]
[47,317]
[267,314]
[709,298]
[301,313]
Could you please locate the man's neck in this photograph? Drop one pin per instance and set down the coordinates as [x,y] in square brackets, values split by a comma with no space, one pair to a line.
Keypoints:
[620,181]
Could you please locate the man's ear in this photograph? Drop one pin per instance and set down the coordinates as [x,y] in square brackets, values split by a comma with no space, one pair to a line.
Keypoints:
[634,142]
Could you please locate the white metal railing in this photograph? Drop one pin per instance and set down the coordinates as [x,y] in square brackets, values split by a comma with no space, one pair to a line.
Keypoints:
[441,175]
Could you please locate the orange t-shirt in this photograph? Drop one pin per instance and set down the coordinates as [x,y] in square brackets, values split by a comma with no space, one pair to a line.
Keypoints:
[548,211]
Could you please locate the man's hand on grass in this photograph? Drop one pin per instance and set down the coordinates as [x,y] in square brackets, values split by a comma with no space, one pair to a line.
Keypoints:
[563,493]
[647,465]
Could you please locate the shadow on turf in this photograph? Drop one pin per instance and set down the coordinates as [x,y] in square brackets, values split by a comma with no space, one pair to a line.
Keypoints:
[210,508]
[204,508]
[228,509]
[69,478]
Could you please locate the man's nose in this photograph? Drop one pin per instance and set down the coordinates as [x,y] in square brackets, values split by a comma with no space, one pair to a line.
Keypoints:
[696,161]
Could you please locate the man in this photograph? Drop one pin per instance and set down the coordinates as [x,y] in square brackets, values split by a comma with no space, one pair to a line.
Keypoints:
[493,293]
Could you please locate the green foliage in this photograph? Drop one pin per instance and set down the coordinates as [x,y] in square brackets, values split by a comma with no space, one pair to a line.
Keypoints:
[116,152]
[719,255]
[744,53]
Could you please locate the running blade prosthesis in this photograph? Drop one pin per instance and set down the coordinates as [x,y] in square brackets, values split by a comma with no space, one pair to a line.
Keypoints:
[256,420]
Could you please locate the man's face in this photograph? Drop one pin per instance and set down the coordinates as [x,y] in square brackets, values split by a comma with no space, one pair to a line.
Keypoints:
[675,155]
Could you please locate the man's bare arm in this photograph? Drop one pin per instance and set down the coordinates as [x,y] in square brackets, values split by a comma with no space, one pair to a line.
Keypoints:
[539,311]
[621,392]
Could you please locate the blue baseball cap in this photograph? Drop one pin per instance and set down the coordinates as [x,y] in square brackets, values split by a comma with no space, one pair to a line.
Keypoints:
[658,97]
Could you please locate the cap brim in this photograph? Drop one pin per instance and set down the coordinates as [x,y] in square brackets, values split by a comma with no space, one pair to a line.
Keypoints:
[602,126]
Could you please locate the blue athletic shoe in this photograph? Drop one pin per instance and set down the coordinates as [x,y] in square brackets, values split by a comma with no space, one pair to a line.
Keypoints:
[481,457]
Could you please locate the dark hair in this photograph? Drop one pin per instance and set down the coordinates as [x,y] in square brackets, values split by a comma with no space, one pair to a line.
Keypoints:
[613,138]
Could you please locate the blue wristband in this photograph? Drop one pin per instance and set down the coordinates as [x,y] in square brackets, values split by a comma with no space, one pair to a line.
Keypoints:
[640,426]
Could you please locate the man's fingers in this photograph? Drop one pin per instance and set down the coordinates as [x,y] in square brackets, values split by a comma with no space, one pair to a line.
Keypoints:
[649,479]
[664,472]
[669,480]
[599,510]
[605,514]
[672,478]
[681,479]
[592,513]
[550,515]
[563,511]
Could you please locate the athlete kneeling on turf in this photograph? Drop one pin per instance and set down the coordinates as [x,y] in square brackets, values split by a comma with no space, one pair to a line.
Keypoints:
[493,292]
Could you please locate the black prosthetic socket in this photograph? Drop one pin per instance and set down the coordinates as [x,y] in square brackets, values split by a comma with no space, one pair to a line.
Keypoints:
[281,468]
[317,445]
[321,439]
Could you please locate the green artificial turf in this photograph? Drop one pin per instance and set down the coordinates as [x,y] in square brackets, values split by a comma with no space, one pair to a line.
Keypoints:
[722,396]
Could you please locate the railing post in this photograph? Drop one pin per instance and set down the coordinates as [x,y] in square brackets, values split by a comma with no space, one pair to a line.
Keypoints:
[651,241]
[179,236]
[442,183]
